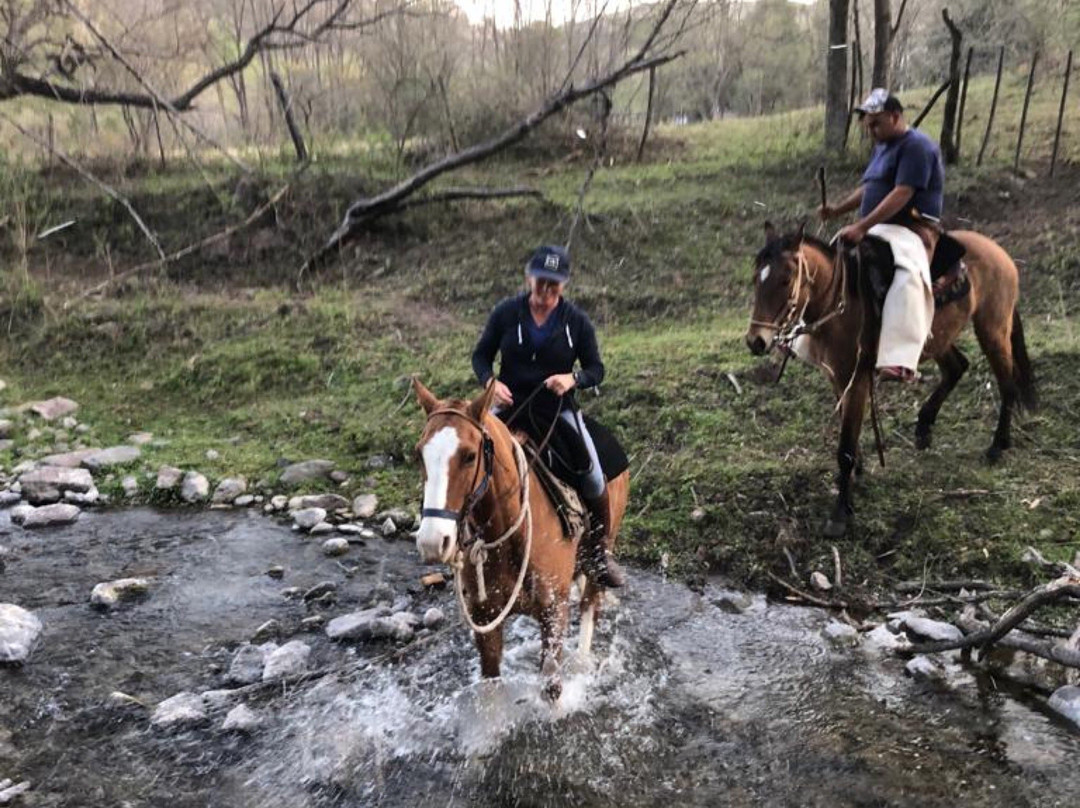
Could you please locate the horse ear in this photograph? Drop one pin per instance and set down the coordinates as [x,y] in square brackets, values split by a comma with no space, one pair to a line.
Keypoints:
[802,229]
[770,233]
[424,397]
[482,403]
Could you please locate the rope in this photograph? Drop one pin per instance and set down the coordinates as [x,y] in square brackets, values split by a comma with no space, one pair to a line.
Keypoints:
[478,555]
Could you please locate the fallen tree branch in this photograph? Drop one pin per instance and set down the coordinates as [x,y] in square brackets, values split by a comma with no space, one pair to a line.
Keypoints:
[364,210]
[825,604]
[943,586]
[1033,556]
[104,186]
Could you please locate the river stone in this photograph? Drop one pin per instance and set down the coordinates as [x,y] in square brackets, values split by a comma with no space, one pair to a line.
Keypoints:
[241,718]
[48,483]
[306,470]
[6,428]
[183,709]
[309,517]
[91,497]
[248,662]
[335,547]
[322,528]
[288,660]
[49,515]
[278,502]
[119,700]
[433,617]
[19,513]
[9,791]
[54,408]
[402,518]
[292,593]
[732,601]
[220,699]
[388,527]
[271,628]
[140,438]
[377,623]
[229,489]
[194,488]
[883,642]
[840,634]
[933,630]
[168,477]
[69,460]
[107,595]
[820,582]
[113,456]
[365,505]
[33,434]
[9,498]
[320,589]
[243,500]
[328,502]
[19,631]
[1066,701]
[922,668]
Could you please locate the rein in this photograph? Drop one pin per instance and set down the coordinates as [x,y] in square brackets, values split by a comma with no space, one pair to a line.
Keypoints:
[472,547]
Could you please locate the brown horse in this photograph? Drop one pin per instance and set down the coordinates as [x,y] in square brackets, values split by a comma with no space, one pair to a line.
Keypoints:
[805,298]
[487,516]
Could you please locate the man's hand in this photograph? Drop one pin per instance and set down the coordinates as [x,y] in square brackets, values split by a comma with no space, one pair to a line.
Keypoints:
[826,212]
[853,233]
[560,384]
[503,396]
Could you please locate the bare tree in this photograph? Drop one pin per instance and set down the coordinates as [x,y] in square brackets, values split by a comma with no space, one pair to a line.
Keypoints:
[836,112]
[883,30]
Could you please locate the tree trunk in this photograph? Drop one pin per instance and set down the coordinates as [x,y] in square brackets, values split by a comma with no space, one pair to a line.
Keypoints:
[836,76]
[948,124]
[882,42]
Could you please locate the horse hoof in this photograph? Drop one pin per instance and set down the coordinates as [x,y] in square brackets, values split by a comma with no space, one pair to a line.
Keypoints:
[993,454]
[836,528]
[922,440]
[553,690]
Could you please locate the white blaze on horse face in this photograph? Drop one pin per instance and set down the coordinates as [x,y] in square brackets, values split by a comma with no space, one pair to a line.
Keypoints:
[436,539]
[764,273]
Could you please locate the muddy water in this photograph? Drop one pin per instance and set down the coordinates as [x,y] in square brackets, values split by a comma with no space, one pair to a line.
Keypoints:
[683,704]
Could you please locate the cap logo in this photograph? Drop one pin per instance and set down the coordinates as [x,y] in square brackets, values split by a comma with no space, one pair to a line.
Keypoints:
[551,262]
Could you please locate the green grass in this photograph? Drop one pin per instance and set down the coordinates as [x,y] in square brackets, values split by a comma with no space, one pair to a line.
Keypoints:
[220,353]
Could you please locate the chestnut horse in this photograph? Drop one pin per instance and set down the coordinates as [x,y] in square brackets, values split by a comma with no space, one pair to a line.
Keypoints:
[815,303]
[487,515]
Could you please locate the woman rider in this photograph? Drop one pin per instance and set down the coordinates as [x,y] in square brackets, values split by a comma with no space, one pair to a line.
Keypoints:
[540,335]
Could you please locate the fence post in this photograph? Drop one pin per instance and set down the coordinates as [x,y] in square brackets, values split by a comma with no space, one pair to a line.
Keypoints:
[963,101]
[1024,112]
[851,101]
[1061,113]
[993,107]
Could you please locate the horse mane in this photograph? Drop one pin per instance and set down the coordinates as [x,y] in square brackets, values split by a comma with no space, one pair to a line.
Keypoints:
[790,242]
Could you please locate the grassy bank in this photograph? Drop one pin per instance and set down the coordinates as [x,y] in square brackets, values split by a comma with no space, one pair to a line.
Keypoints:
[220,352]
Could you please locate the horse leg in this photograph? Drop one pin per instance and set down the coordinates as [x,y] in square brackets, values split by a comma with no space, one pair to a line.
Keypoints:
[995,344]
[552,630]
[590,608]
[953,365]
[851,425]
[490,646]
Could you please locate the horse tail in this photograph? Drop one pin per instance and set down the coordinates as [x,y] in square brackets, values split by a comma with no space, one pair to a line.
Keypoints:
[1023,374]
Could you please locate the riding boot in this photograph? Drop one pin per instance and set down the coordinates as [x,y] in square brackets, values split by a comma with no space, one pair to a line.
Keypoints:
[596,559]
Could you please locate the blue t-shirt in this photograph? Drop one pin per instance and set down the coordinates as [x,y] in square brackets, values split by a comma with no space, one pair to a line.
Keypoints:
[911,159]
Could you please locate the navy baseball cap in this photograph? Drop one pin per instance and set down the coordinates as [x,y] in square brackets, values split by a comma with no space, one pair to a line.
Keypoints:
[550,263]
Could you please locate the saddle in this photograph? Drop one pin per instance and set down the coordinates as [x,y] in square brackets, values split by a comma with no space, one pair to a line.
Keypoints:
[948,272]
[573,515]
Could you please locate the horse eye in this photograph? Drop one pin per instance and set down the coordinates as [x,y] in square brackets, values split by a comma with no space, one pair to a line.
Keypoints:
[468,458]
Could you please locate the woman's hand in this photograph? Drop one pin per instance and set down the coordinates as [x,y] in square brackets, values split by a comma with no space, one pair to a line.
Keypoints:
[560,384]
[503,396]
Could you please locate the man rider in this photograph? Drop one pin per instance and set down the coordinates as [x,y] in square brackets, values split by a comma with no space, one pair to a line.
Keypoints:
[900,201]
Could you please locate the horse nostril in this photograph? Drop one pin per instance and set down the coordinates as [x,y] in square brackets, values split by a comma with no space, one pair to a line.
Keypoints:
[756,344]
[446,545]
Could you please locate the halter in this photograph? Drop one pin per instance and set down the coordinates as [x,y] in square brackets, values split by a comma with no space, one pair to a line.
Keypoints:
[478,549]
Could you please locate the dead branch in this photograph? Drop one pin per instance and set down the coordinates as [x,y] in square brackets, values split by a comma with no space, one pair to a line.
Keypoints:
[188,250]
[104,186]
[290,121]
[942,586]
[930,104]
[364,210]
[278,34]
[806,596]
[1034,600]
[1033,556]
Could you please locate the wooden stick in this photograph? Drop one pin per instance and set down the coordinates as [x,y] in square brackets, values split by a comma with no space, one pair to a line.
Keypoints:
[930,104]
[993,106]
[648,114]
[290,121]
[851,101]
[1061,113]
[1024,112]
[826,604]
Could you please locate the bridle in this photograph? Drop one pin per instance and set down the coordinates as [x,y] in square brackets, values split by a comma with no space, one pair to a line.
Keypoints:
[487,460]
[472,544]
